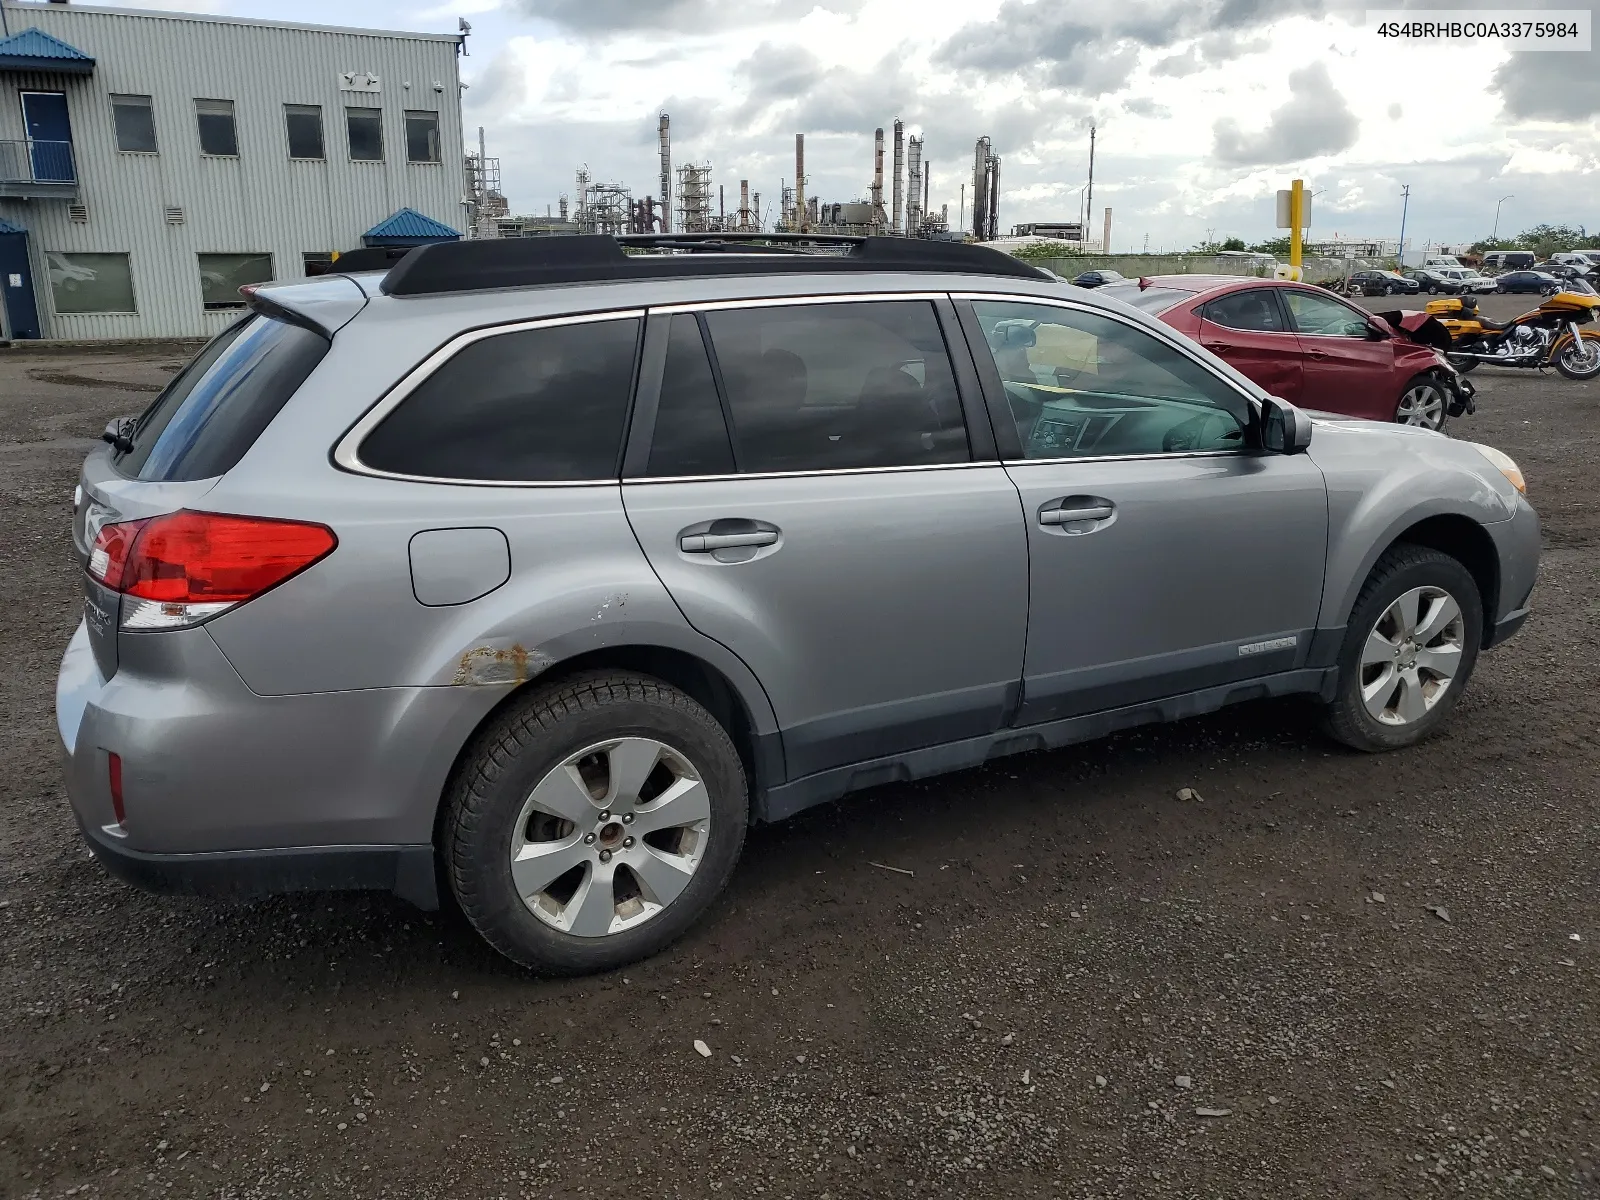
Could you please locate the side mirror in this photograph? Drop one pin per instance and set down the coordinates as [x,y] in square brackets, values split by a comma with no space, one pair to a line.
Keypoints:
[1374,334]
[1284,428]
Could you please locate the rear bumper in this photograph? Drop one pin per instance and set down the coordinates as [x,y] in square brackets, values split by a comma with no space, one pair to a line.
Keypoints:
[229,793]
[407,871]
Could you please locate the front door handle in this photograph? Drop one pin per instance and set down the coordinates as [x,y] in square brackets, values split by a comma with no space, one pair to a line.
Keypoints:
[705,543]
[1075,509]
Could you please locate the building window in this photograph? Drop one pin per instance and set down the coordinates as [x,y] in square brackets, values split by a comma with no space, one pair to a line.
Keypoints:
[135,124]
[317,262]
[365,129]
[90,283]
[304,122]
[222,275]
[217,134]
[422,137]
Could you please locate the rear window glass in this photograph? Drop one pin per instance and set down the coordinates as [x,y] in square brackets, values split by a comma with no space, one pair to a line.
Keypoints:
[217,406]
[536,406]
[1152,300]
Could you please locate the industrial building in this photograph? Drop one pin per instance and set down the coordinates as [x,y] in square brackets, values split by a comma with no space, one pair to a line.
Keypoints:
[151,163]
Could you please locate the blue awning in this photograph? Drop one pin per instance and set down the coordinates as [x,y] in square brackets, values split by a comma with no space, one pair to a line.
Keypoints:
[408,227]
[34,50]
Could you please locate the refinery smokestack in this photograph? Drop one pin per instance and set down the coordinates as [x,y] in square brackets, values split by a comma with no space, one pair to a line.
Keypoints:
[666,174]
[899,168]
[800,183]
[744,206]
[980,188]
[913,186]
[877,177]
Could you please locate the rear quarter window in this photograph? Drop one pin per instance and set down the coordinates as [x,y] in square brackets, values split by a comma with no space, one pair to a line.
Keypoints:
[531,406]
[216,407]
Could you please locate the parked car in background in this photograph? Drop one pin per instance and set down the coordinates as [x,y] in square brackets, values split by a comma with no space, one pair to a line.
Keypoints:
[1382,283]
[708,547]
[1584,260]
[1509,260]
[1435,280]
[1523,282]
[1094,279]
[1441,260]
[1569,271]
[1476,281]
[1307,345]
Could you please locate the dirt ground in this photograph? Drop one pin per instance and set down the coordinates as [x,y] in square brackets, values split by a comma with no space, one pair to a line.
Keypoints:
[1382,970]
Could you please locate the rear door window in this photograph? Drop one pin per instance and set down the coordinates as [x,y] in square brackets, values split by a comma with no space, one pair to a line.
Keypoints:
[543,405]
[214,410]
[818,387]
[1255,310]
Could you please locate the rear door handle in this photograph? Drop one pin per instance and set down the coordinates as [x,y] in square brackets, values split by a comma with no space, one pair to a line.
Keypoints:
[1316,355]
[1219,345]
[705,543]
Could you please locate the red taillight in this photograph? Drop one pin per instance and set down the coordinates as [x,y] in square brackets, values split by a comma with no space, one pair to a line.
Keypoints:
[115,761]
[186,566]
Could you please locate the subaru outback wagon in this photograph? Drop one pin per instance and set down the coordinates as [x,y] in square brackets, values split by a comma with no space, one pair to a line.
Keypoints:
[537,571]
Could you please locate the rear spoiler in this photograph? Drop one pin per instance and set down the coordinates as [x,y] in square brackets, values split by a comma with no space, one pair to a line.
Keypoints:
[324,306]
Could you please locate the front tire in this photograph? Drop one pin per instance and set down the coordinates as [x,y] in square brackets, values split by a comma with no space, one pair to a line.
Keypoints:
[1408,651]
[594,822]
[1423,403]
[1580,359]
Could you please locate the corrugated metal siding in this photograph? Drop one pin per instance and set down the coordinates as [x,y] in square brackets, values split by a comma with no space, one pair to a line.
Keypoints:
[260,202]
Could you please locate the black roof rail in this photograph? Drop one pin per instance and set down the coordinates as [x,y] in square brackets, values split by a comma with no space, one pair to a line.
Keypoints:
[480,265]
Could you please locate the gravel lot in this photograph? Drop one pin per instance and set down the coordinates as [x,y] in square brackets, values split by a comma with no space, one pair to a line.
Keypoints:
[1333,976]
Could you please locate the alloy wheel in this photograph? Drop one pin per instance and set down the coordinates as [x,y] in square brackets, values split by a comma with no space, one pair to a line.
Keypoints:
[1412,656]
[1581,356]
[1422,405]
[610,837]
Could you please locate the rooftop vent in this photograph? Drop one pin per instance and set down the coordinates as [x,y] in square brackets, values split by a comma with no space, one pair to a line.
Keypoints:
[78,214]
[174,215]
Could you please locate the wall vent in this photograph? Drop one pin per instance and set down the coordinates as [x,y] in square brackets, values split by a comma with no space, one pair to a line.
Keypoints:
[78,214]
[174,215]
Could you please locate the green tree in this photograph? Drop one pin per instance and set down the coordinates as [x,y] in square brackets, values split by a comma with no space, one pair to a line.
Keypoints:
[1277,247]
[1545,240]
[1038,250]
[1233,243]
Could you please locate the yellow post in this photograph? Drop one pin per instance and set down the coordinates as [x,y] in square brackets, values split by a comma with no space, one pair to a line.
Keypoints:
[1297,201]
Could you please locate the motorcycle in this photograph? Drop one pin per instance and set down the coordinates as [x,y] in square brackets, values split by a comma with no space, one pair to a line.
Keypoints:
[1550,335]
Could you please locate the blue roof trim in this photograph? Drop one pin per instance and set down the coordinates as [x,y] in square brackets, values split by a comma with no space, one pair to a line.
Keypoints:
[7,227]
[409,223]
[35,50]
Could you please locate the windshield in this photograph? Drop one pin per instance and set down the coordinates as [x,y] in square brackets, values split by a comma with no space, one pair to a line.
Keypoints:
[1153,300]
[217,406]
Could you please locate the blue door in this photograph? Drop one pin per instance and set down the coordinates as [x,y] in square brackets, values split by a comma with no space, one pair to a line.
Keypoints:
[44,115]
[16,284]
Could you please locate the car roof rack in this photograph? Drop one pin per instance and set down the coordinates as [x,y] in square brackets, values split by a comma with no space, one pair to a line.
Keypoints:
[481,265]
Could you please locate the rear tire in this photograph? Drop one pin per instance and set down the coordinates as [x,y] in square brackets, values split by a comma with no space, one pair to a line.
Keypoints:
[1397,686]
[549,788]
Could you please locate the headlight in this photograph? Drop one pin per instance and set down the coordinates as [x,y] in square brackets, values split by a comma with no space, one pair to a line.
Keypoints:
[1504,464]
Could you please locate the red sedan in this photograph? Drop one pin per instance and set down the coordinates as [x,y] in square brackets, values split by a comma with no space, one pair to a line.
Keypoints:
[1306,345]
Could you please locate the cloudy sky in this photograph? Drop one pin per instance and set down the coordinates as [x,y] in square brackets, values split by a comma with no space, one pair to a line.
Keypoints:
[1204,107]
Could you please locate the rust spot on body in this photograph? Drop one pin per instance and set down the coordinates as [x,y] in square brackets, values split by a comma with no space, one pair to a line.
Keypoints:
[484,666]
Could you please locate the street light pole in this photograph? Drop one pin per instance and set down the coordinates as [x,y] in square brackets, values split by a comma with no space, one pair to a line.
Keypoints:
[1495,236]
[1405,203]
